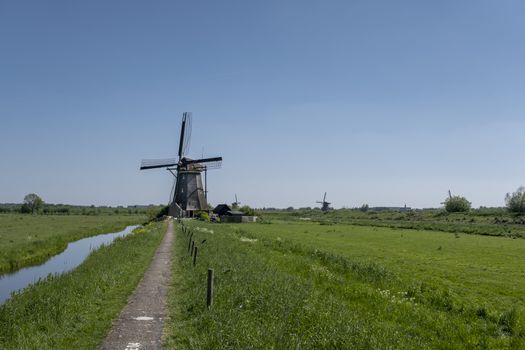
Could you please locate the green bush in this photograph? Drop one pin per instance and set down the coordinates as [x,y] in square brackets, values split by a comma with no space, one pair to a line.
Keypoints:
[246,210]
[457,204]
[516,201]
[156,212]
[204,216]
[24,209]
[163,211]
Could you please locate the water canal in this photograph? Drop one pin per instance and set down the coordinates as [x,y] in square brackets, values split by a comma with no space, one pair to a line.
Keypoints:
[75,253]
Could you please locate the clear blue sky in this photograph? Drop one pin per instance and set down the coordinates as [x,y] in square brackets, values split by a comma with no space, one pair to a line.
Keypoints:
[378,102]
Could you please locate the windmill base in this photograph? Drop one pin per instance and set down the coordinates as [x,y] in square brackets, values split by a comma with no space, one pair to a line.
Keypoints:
[175,211]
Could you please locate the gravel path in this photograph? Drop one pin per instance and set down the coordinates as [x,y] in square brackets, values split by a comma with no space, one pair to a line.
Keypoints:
[141,322]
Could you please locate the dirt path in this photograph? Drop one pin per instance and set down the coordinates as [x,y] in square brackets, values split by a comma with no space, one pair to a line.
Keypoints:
[141,322]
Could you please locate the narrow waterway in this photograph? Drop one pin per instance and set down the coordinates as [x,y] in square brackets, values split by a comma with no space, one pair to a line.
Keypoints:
[75,253]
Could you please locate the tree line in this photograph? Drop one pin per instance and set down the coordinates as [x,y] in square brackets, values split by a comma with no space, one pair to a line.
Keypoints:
[34,204]
[514,202]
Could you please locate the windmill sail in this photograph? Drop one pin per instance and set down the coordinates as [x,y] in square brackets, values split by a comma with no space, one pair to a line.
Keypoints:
[185,134]
[158,163]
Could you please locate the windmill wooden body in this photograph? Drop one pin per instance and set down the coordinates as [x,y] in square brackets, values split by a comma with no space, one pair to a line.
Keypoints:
[188,195]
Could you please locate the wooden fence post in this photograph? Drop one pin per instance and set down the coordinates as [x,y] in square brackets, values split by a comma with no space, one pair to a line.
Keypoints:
[195,256]
[209,293]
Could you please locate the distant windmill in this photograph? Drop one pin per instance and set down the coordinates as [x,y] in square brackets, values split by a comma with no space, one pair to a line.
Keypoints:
[188,195]
[325,205]
[236,203]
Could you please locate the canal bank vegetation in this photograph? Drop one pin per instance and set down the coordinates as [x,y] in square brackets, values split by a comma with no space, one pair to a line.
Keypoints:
[304,285]
[31,239]
[75,310]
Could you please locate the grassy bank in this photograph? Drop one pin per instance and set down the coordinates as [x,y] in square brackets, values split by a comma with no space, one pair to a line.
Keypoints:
[312,286]
[75,310]
[31,239]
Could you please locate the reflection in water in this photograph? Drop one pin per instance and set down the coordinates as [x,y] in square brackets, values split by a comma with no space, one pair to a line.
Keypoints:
[75,253]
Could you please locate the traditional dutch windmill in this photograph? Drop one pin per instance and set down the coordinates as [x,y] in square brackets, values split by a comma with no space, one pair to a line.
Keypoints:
[325,204]
[188,196]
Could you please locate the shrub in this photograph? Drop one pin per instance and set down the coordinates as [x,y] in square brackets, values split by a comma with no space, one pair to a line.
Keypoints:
[457,204]
[516,201]
[156,212]
[204,216]
[24,209]
[163,211]
[246,210]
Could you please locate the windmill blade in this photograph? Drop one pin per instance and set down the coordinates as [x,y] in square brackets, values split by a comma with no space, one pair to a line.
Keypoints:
[181,138]
[185,134]
[157,163]
[324,198]
[207,166]
[203,160]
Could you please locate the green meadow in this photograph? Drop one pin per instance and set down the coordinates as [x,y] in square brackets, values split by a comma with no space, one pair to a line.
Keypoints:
[284,283]
[311,285]
[483,221]
[31,239]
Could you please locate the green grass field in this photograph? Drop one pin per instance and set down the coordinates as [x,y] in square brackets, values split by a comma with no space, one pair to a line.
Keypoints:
[485,221]
[75,310]
[293,285]
[31,239]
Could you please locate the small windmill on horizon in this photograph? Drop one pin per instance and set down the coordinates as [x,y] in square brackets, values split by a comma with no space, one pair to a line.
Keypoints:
[188,194]
[325,206]
[235,204]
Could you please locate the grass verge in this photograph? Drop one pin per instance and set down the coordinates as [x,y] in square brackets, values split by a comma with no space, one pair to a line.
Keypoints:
[75,310]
